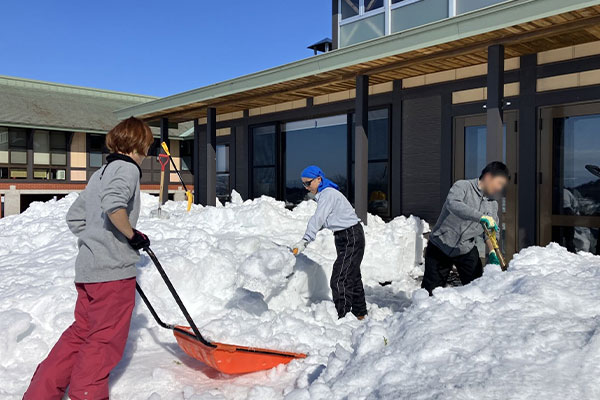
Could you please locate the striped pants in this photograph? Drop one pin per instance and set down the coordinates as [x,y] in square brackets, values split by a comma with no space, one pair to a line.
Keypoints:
[346,281]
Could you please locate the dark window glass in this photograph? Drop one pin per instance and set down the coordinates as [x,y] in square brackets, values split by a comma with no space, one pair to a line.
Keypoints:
[263,182]
[577,238]
[3,173]
[379,177]
[475,151]
[371,5]
[18,145]
[350,8]
[264,146]
[264,176]
[97,148]
[397,1]
[321,142]
[575,190]
[223,175]
[4,146]
[186,152]
[58,148]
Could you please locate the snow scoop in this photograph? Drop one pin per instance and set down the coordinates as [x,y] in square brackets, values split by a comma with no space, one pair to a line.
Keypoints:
[226,358]
[188,194]
[594,169]
[491,235]
[163,159]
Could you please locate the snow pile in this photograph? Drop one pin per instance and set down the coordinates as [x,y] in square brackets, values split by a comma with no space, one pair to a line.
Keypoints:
[232,268]
[532,332]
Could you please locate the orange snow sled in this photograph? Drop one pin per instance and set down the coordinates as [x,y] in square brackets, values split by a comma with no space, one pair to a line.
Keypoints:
[226,358]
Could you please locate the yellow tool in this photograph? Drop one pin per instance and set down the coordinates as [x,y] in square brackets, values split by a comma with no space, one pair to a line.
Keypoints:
[188,194]
[491,235]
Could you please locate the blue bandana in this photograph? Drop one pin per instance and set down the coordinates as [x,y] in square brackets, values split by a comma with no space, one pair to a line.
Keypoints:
[313,172]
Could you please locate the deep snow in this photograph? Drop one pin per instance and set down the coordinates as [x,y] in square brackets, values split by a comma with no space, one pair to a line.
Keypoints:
[531,332]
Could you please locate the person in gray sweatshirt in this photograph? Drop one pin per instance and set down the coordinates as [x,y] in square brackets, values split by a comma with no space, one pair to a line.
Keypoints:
[335,212]
[452,239]
[103,218]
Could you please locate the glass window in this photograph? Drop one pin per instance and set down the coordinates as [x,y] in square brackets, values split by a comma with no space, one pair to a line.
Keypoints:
[41,148]
[58,148]
[4,146]
[16,173]
[223,176]
[350,8]
[186,153]
[371,5]
[3,172]
[367,28]
[322,142]
[264,175]
[475,150]
[576,143]
[96,145]
[17,139]
[379,176]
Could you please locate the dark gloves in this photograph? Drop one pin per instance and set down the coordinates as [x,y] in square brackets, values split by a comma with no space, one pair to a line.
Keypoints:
[139,240]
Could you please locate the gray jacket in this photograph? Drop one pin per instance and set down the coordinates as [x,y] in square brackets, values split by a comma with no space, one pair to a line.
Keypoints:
[458,225]
[334,212]
[104,253]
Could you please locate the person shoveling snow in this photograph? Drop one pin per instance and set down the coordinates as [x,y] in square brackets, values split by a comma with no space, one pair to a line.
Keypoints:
[103,218]
[335,212]
[452,240]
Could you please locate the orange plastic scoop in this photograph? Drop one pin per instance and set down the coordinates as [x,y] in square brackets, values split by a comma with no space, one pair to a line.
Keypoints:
[226,358]
[231,359]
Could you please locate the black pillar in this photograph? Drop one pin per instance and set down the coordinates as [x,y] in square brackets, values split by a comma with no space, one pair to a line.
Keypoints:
[211,156]
[361,155]
[527,162]
[396,151]
[196,162]
[164,137]
[242,152]
[495,95]
[334,23]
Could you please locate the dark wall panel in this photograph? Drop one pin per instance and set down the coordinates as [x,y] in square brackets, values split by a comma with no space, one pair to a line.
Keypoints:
[421,157]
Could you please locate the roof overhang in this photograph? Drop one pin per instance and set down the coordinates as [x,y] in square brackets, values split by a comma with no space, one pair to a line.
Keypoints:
[522,26]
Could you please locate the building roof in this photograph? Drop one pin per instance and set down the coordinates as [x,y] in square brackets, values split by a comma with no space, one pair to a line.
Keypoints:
[54,106]
[523,26]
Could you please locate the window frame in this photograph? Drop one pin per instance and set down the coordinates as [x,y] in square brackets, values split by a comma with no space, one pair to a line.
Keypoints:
[362,13]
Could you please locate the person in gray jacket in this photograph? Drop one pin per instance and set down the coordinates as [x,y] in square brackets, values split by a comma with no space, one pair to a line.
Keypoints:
[452,239]
[103,218]
[335,212]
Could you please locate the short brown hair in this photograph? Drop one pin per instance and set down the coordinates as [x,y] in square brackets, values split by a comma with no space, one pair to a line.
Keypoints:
[129,136]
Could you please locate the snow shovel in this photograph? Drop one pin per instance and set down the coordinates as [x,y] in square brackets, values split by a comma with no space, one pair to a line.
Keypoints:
[188,194]
[226,358]
[491,235]
[163,159]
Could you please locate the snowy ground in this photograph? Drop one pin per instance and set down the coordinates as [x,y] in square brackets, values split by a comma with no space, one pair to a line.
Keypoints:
[532,332]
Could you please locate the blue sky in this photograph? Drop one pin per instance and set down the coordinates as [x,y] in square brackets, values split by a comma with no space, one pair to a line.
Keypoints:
[155,47]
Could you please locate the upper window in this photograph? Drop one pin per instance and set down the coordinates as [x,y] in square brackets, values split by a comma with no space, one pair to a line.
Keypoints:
[350,8]
[371,5]
[97,150]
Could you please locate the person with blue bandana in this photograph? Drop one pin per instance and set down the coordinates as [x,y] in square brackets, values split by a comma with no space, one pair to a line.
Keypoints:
[335,212]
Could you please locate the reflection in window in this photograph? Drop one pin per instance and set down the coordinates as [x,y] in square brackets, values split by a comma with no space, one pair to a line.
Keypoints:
[17,142]
[96,147]
[322,142]
[186,153]
[379,175]
[475,150]
[49,148]
[577,238]
[371,5]
[576,143]
[223,174]
[350,8]
[264,181]
[4,146]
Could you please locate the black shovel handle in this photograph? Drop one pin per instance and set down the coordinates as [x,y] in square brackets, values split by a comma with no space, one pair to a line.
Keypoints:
[184,311]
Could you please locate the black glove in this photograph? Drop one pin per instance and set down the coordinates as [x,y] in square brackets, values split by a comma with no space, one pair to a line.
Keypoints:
[139,240]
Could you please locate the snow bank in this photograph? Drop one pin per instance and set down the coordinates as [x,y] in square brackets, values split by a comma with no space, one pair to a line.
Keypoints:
[233,269]
[532,332]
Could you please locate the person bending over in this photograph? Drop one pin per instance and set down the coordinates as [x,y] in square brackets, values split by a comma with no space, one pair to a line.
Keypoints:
[452,239]
[335,212]
[103,218]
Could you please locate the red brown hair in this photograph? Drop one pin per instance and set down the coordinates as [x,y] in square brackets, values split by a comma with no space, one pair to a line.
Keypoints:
[130,136]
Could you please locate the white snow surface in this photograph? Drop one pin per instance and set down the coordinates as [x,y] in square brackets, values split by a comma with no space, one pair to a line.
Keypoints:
[530,332]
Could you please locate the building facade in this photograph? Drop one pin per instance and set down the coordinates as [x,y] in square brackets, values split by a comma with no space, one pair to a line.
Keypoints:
[397,115]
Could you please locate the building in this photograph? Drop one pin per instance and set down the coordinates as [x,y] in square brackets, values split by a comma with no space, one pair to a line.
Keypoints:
[414,95]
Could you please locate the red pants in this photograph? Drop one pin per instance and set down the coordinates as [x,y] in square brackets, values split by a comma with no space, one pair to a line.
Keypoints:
[91,347]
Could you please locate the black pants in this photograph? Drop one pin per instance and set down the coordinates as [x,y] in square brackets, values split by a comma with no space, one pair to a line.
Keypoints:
[438,266]
[346,281]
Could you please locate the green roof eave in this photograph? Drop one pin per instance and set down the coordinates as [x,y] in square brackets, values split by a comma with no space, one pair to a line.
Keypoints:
[499,16]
